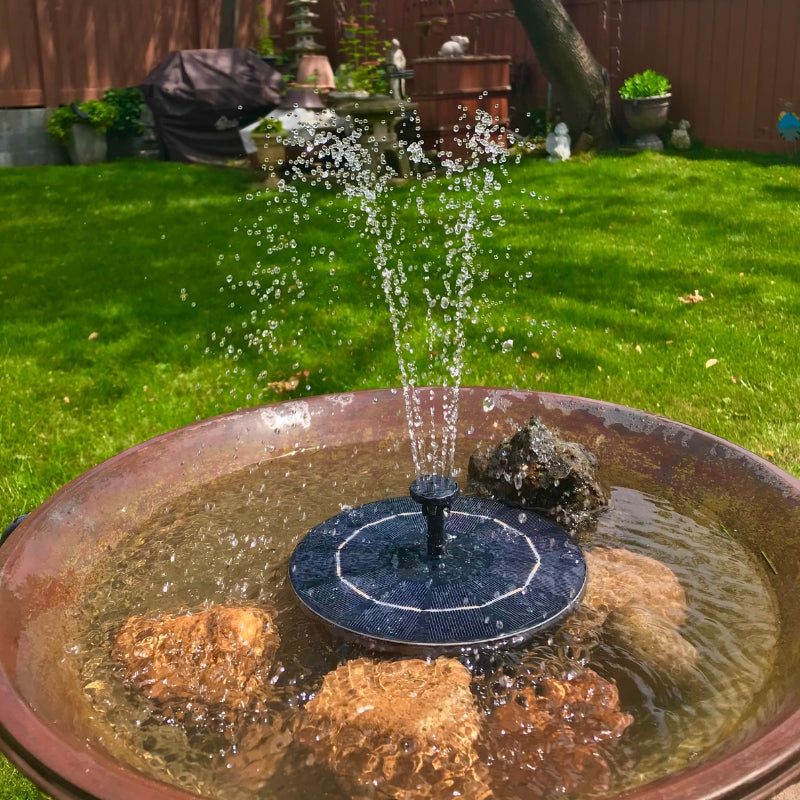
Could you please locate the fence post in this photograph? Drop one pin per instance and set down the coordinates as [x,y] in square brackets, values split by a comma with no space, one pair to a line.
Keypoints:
[229,23]
[48,65]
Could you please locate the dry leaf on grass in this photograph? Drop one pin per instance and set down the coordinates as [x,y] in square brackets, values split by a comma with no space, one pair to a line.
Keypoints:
[692,298]
[288,385]
[711,362]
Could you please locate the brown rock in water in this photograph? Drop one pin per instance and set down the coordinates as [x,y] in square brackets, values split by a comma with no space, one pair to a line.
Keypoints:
[191,662]
[654,641]
[640,603]
[538,469]
[616,577]
[550,738]
[399,729]
[258,755]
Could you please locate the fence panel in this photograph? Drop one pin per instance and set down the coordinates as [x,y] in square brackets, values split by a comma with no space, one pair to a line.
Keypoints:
[20,71]
[730,63]
[54,51]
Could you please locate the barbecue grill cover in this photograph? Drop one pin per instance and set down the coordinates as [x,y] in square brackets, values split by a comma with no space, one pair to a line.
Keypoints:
[200,99]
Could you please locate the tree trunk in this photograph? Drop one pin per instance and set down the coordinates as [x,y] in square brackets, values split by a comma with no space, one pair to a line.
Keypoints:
[580,83]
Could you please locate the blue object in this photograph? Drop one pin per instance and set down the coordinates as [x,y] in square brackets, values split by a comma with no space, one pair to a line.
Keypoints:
[502,574]
[789,126]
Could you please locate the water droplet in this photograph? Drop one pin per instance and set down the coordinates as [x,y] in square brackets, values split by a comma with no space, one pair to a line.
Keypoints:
[488,403]
[507,345]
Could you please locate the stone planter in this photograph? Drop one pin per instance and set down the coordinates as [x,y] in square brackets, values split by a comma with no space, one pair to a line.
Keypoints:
[646,116]
[375,117]
[446,89]
[271,151]
[86,145]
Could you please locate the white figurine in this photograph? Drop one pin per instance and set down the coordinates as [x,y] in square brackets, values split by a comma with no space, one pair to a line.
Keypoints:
[457,46]
[558,143]
[680,136]
[396,63]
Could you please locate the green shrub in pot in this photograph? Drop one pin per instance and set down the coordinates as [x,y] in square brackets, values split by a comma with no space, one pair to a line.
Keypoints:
[95,113]
[645,84]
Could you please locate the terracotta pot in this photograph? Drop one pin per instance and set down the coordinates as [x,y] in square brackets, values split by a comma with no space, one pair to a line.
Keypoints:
[647,114]
[46,725]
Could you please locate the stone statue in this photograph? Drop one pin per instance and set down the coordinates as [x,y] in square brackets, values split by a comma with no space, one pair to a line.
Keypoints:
[680,136]
[558,143]
[395,68]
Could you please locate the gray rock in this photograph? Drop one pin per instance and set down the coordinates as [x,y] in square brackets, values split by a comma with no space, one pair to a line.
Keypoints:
[538,469]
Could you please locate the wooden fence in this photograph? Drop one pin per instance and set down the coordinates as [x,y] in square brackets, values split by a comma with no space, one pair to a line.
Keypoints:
[733,63]
[56,51]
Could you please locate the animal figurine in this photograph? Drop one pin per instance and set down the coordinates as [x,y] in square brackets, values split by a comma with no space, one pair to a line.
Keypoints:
[558,143]
[680,136]
[456,46]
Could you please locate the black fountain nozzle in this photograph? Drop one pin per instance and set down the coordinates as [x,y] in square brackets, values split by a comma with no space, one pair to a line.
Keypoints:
[435,493]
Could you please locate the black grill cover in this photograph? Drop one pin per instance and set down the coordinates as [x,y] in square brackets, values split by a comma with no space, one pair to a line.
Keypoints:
[200,99]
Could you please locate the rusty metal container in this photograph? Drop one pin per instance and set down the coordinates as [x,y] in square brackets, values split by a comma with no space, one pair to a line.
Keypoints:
[447,89]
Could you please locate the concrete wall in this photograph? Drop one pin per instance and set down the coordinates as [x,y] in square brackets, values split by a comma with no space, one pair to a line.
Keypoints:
[24,140]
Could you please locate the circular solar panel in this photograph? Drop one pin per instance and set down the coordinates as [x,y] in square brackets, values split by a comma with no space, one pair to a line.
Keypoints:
[503,574]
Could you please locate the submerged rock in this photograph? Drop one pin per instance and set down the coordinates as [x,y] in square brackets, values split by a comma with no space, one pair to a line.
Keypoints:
[617,577]
[197,664]
[655,642]
[538,469]
[259,755]
[400,729]
[640,603]
[551,737]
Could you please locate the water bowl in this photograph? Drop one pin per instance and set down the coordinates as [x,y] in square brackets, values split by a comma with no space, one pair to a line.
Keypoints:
[49,726]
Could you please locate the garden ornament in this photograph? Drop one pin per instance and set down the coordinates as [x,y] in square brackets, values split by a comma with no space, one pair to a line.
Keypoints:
[456,46]
[396,66]
[789,124]
[680,136]
[558,143]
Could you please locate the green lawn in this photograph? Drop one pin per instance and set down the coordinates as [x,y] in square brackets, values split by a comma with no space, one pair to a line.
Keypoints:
[113,287]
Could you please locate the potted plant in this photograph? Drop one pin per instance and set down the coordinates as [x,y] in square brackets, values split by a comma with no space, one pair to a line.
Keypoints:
[124,134]
[81,128]
[645,102]
[363,54]
[268,137]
